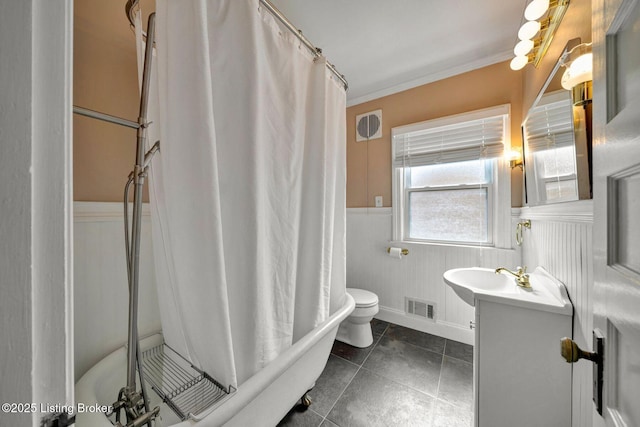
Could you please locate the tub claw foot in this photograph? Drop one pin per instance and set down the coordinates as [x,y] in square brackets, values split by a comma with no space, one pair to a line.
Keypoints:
[305,400]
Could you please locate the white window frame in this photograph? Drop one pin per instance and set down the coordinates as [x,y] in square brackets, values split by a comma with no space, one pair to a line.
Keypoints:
[499,191]
[490,187]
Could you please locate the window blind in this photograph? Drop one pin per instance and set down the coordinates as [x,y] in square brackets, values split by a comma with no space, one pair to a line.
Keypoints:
[469,136]
[550,125]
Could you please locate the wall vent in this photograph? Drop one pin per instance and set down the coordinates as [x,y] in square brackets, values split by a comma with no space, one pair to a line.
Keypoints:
[369,126]
[424,309]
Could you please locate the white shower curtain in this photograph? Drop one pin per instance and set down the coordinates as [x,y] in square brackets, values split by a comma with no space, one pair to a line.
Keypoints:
[248,191]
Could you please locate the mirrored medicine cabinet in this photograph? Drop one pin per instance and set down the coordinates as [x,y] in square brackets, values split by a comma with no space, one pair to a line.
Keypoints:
[556,135]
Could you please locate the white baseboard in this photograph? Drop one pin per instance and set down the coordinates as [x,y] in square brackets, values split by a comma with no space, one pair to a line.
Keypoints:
[442,329]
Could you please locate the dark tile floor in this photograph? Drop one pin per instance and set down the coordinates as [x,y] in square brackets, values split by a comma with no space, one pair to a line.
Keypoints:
[405,378]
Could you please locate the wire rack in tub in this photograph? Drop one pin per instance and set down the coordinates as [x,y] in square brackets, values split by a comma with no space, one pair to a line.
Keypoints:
[183,387]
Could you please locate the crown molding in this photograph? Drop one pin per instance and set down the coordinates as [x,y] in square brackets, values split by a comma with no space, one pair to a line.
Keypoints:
[431,77]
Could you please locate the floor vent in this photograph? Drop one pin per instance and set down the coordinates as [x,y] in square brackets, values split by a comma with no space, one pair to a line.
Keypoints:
[419,308]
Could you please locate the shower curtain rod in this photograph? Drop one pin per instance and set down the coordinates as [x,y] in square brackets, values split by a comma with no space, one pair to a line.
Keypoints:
[317,52]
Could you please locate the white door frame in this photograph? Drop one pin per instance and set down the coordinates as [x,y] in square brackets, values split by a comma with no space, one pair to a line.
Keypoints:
[616,151]
[36,195]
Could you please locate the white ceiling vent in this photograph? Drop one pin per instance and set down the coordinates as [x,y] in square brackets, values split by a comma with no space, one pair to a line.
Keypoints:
[369,126]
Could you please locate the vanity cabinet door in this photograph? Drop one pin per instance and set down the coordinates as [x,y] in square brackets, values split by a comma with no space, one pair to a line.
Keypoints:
[520,379]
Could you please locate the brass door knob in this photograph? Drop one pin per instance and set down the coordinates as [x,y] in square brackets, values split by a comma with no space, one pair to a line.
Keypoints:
[572,353]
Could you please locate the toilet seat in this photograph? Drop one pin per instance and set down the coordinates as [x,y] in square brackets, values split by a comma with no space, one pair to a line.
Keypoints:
[363,299]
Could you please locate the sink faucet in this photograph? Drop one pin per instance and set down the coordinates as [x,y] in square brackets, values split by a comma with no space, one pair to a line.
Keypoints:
[521,275]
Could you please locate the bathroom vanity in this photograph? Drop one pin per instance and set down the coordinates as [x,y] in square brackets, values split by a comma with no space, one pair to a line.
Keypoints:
[519,377]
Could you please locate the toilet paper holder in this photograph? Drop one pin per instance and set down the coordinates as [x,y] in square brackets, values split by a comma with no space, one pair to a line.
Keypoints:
[403,251]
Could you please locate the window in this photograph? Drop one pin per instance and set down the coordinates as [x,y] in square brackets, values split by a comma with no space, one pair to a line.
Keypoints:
[448,177]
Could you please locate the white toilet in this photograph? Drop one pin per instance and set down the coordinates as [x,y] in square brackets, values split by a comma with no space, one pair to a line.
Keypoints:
[355,330]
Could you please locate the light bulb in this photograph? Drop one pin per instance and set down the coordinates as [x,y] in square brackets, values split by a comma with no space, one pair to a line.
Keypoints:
[518,62]
[512,155]
[536,9]
[514,158]
[528,30]
[523,47]
[579,71]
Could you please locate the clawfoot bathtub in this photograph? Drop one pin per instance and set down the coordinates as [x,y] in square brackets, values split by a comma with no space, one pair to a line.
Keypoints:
[262,400]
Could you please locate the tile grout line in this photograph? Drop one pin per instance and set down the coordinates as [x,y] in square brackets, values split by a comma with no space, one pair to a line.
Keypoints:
[434,397]
[373,348]
[455,405]
[413,345]
[361,366]
[444,350]
[339,396]
[435,400]
[342,392]
[454,357]
[352,378]
[395,381]
[458,359]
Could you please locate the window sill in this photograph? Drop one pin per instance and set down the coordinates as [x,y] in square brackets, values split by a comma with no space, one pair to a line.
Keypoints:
[444,244]
[371,211]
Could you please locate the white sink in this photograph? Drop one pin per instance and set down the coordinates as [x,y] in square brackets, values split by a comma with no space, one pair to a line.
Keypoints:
[546,292]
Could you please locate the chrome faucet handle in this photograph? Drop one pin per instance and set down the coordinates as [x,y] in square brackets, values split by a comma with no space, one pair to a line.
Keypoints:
[522,278]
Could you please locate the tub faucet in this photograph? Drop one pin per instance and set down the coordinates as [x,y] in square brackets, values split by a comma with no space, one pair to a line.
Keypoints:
[521,275]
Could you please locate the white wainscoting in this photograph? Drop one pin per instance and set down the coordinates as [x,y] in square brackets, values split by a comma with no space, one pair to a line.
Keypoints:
[100,283]
[417,275]
[560,240]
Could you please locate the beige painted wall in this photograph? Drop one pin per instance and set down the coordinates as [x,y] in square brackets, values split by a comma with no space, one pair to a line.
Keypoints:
[369,163]
[105,79]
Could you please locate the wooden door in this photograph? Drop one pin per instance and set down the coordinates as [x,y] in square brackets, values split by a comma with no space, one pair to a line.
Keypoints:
[616,30]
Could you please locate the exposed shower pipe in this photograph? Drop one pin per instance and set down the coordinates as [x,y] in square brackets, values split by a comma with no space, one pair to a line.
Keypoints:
[139,173]
[105,117]
[128,398]
[317,52]
[136,406]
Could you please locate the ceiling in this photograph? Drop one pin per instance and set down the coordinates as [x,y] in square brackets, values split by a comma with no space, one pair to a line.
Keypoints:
[385,46]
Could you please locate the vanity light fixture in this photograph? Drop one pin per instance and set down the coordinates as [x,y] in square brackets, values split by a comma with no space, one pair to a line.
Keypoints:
[578,77]
[519,62]
[536,9]
[523,47]
[515,159]
[529,29]
[542,20]
[580,71]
